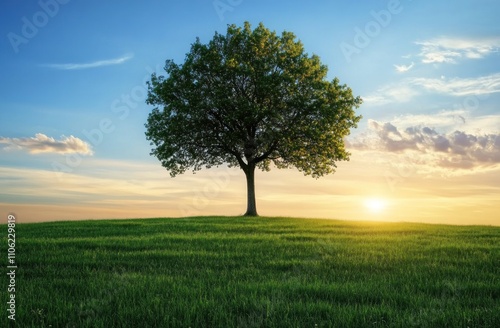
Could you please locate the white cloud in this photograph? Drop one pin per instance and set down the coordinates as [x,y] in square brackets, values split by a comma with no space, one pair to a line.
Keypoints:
[450,50]
[99,63]
[446,120]
[44,144]
[404,68]
[460,86]
[391,93]
[407,89]
[483,124]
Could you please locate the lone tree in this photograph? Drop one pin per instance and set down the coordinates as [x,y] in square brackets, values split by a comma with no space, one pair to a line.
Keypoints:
[249,98]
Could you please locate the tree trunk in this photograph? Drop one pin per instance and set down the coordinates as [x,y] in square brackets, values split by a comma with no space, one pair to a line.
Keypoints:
[251,204]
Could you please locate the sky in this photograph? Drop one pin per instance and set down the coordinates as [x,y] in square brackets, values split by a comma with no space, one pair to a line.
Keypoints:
[72,110]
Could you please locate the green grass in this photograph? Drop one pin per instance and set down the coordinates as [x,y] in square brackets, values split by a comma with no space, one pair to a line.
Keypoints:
[254,272]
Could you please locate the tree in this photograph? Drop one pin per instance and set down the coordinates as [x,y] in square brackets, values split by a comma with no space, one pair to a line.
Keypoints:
[250,98]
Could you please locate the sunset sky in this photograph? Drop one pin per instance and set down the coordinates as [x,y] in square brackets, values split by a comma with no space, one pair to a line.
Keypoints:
[72,110]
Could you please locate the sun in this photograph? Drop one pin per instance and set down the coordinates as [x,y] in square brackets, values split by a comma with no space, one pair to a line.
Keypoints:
[375,205]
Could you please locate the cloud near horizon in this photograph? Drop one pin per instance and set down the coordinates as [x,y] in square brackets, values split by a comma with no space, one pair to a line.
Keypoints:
[99,63]
[44,144]
[454,150]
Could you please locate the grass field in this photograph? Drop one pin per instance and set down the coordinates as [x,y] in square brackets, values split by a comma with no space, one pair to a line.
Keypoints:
[254,272]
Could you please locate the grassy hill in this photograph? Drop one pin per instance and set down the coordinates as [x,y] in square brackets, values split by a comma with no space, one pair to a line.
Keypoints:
[254,272]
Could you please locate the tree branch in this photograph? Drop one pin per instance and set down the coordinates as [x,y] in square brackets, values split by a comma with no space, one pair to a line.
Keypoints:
[264,156]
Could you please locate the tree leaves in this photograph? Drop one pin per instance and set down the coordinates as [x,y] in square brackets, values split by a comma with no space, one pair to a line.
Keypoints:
[249,98]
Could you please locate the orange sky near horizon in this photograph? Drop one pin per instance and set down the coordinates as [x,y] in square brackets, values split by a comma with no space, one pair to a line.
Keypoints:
[404,193]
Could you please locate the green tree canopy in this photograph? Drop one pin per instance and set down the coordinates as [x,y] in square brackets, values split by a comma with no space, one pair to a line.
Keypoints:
[250,98]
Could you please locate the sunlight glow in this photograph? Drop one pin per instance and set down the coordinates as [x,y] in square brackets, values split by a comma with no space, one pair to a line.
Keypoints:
[375,205]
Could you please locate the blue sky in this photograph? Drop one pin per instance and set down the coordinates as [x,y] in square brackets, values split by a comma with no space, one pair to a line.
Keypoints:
[72,109]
